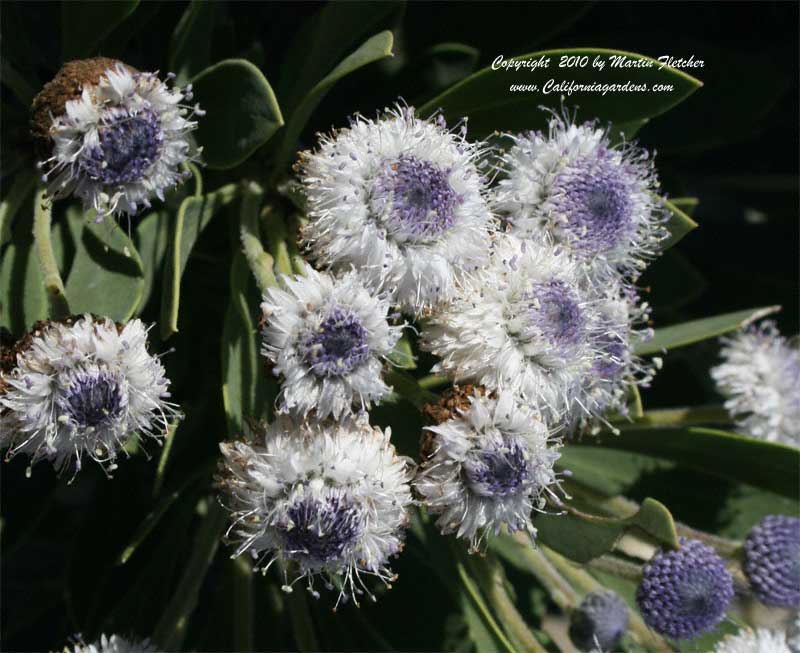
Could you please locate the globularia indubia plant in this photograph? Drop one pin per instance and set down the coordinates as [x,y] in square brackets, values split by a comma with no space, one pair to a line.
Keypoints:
[485,291]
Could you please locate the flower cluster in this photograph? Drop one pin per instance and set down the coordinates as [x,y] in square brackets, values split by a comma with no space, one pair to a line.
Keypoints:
[684,593]
[759,377]
[114,644]
[772,561]
[82,387]
[113,136]
[599,622]
[330,498]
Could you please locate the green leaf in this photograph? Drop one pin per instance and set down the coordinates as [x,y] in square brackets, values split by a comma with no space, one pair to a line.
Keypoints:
[22,297]
[21,189]
[193,216]
[403,355]
[241,112]
[151,238]
[686,204]
[680,335]
[679,225]
[486,99]
[106,277]
[581,537]
[85,23]
[374,49]
[190,48]
[767,465]
[240,367]
[447,63]
[673,281]
[325,39]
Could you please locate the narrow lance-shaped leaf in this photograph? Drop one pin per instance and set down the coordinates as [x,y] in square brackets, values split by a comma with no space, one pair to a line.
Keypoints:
[193,216]
[679,224]
[374,49]
[680,335]
[741,459]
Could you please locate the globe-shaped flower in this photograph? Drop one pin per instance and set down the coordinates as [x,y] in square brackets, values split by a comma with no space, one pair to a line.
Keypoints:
[114,137]
[328,338]
[522,325]
[772,561]
[685,593]
[760,377]
[114,644]
[488,466]
[573,187]
[599,622]
[760,640]
[400,199]
[328,498]
[82,387]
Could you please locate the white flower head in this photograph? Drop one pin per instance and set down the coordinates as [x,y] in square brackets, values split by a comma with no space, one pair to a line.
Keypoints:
[329,498]
[119,143]
[760,378]
[572,186]
[328,338]
[114,644]
[489,466]
[522,325]
[402,200]
[760,640]
[620,325]
[83,387]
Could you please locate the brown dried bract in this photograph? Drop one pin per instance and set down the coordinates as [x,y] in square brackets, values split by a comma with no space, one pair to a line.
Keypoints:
[10,349]
[452,401]
[65,86]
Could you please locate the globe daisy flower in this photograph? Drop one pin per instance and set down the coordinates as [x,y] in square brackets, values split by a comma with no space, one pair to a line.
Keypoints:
[402,200]
[523,325]
[759,378]
[326,499]
[112,136]
[572,186]
[328,338]
[599,622]
[82,387]
[772,561]
[489,465]
[114,644]
[759,640]
[685,593]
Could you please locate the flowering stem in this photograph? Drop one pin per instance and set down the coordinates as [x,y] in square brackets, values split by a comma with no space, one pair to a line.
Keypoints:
[53,285]
[260,262]
[686,416]
[433,381]
[276,236]
[475,594]
[612,565]
[724,546]
[171,628]
[407,387]
[495,585]
[562,593]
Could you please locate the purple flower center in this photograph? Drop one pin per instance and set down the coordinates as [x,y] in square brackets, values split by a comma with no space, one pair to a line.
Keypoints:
[321,529]
[129,145]
[594,196]
[612,352]
[499,471]
[555,314]
[417,197]
[337,346]
[92,400]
